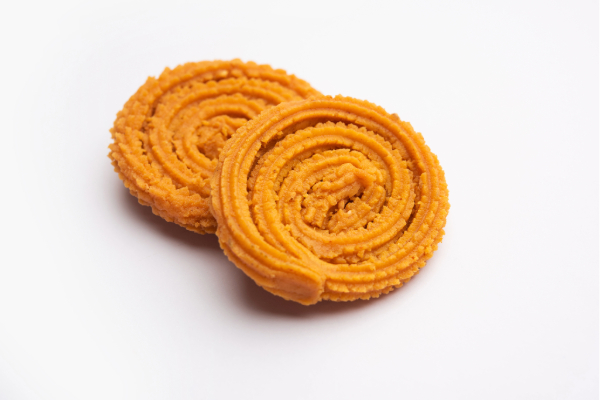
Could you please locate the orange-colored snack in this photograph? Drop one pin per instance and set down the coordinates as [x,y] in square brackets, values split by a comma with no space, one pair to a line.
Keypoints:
[329,198]
[168,137]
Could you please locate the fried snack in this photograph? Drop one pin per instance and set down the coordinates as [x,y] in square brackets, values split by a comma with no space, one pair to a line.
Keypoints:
[329,198]
[168,137]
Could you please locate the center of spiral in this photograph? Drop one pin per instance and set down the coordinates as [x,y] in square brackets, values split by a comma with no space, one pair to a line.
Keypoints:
[340,200]
[212,134]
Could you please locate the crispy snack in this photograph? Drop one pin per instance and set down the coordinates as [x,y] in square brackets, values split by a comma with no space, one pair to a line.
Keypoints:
[329,198]
[168,137]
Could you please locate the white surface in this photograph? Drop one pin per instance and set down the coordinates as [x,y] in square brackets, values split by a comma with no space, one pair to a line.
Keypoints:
[100,299]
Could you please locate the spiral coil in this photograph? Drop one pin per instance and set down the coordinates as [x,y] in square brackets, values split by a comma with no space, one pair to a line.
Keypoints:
[167,138]
[328,198]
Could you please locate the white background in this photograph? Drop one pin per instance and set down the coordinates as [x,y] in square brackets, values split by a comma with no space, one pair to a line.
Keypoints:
[100,299]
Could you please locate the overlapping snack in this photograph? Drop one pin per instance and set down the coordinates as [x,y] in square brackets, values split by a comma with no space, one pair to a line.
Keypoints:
[329,198]
[168,136]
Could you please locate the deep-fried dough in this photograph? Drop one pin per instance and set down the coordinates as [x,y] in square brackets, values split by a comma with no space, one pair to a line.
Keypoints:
[329,198]
[169,134]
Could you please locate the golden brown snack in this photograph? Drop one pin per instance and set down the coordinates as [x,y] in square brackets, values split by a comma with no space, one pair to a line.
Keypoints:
[168,136]
[329,198]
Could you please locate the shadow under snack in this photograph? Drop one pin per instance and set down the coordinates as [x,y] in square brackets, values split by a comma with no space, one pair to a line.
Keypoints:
[248,293]
[171,230]
[259,300]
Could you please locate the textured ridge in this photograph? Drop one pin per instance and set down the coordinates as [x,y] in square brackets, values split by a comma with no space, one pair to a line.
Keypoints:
[167,138]
[328,198]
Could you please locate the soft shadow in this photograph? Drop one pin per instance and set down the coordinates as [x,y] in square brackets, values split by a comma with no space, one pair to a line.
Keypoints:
[249,294]
[169,229]
[259,300]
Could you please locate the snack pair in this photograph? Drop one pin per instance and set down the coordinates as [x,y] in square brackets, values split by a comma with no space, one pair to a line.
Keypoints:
[314,198]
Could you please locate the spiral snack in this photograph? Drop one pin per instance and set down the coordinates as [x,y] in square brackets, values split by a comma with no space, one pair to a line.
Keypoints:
[329,198]
[168,137]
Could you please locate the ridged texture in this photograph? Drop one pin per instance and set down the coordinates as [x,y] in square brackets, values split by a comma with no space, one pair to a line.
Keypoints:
[329,198]
[168,136]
